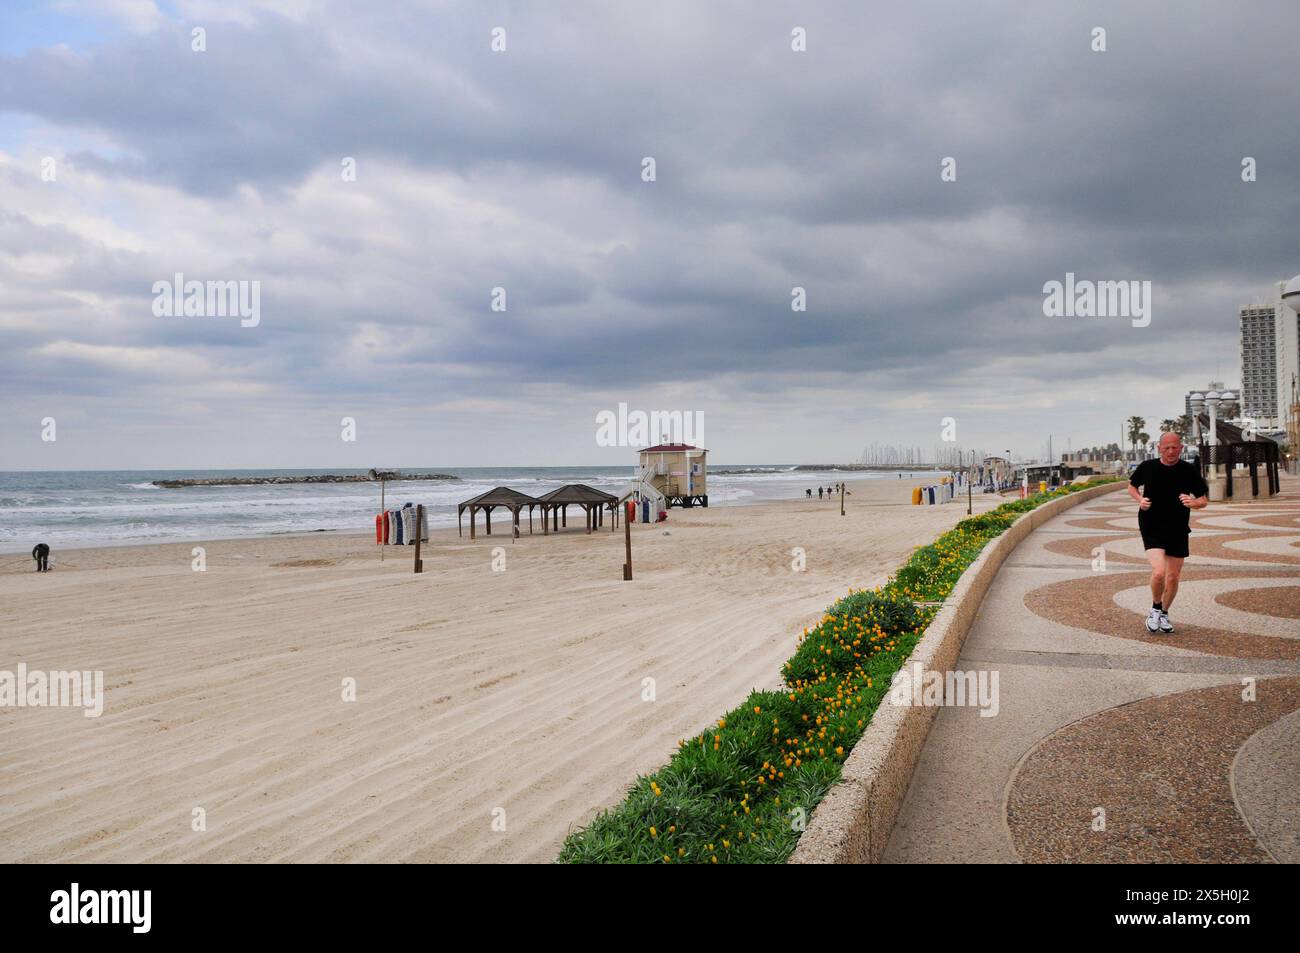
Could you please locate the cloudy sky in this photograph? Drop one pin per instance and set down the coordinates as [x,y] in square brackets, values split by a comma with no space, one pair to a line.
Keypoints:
[522,169]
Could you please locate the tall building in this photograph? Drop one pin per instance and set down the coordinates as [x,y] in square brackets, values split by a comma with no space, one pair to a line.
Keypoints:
[1259,361]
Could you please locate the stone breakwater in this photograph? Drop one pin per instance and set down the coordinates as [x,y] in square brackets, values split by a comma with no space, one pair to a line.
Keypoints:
[314,478]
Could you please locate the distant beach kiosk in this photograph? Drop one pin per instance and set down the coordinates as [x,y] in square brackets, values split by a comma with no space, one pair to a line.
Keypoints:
[676,471]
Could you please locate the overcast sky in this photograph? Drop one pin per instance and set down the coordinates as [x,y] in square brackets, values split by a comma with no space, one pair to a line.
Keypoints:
[522,169]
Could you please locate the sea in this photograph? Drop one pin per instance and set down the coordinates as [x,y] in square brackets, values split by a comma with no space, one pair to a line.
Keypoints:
[87,508]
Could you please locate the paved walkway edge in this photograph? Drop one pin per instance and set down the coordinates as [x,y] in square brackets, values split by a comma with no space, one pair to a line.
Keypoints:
[853,823]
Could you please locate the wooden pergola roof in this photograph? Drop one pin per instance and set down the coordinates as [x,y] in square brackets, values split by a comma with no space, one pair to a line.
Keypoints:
[594,502]
[512,500]
[500,496]
[577,493]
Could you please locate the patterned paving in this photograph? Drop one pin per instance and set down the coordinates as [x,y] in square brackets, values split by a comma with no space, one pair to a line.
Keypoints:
[1187,745]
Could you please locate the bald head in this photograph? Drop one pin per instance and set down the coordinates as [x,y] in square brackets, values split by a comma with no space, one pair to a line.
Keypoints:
[1171,448]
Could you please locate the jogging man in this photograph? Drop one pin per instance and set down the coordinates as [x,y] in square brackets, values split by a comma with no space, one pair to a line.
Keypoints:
[1171,489]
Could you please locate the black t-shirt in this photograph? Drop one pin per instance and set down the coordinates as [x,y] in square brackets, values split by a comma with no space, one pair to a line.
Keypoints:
[1162,485]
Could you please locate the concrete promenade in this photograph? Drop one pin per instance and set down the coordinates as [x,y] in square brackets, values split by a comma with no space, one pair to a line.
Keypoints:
[1113,745]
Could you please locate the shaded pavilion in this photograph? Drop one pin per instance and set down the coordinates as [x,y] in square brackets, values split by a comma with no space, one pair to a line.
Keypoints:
[593,502]
[1235,449]
[501,496]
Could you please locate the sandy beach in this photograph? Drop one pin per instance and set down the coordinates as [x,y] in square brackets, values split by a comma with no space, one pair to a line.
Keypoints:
[480,694]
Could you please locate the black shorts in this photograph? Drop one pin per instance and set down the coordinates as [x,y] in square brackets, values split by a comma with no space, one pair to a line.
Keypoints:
[1173,542]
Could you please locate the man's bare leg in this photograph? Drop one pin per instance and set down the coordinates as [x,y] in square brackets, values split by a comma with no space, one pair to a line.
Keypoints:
[1172,570]
[1157,559]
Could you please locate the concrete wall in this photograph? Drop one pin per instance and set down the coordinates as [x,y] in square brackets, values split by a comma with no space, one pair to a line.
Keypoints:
[853,823]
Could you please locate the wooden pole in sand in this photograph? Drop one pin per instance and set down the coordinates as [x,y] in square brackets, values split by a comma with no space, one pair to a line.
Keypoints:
[841,499]
[419,531]
[381,510]
[627,541]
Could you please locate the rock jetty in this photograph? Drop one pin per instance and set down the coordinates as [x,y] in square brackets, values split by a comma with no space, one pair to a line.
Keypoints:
[311,478]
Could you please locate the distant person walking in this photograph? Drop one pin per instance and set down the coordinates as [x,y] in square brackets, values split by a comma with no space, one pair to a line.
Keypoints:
[1171,489]
[41,553]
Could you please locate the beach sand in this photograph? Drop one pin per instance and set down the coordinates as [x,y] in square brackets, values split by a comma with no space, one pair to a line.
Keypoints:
[476,690]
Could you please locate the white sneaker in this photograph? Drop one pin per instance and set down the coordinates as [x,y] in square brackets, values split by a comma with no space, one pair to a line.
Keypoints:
[1153,620]
[1165,624]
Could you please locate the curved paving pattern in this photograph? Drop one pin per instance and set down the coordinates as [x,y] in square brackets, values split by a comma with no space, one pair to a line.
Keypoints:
[1094,711]
[1159,768]
[1263,782]
[1282,602]
[1089,603]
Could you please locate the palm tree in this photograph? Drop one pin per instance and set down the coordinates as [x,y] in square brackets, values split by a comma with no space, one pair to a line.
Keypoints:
[1135,425]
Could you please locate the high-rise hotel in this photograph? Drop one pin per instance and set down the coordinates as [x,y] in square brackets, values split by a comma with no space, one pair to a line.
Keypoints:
[1270,354]
[1259,362]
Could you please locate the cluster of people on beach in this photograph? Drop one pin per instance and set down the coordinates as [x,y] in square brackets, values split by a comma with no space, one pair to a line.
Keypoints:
[829,491]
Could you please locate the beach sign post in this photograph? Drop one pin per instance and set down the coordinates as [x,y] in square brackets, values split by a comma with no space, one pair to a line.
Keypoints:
[382,476]
[419,533]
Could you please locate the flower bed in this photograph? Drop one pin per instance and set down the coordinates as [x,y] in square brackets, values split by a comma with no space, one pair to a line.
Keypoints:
[742,791]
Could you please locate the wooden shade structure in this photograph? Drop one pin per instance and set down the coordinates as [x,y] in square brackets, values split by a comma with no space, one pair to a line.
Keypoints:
[1235,449]
[593,502]
[503,496]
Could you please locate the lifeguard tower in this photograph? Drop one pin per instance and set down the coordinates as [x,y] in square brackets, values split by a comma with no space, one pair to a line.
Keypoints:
[677,472]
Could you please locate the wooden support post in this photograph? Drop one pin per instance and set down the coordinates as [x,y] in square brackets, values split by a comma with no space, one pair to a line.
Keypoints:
[472,511]
[419,532]
[841,499]
[627,541]
[487,516]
